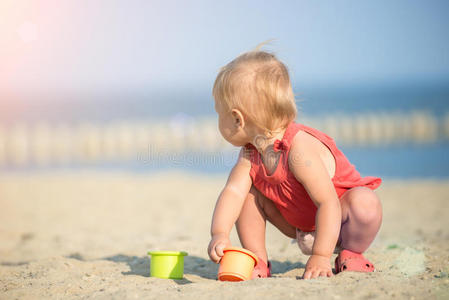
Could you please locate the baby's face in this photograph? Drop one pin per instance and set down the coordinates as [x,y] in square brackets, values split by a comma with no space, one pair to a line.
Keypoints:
[229,128]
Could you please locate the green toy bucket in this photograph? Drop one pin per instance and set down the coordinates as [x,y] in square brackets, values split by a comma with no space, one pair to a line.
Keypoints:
[167,264]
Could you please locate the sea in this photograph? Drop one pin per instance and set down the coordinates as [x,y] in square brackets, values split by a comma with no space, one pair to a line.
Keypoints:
[407,160]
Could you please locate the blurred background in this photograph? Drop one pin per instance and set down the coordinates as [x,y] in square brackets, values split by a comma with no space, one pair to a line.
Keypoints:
[126,85]
[109,145]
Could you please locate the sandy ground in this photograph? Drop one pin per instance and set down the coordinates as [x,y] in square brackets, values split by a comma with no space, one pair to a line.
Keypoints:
[86,235]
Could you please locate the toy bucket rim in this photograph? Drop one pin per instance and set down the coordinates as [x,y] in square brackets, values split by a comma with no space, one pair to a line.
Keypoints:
[242,250]
[167,253]
[239,276]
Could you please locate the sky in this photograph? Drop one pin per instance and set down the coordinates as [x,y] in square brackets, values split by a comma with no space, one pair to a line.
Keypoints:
[107,46]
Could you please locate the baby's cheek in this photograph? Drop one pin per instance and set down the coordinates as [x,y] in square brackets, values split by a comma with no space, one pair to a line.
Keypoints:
[225,133]
[222,128]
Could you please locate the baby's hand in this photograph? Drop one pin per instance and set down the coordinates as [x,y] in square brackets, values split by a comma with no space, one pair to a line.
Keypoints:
[216,246]
[316,266]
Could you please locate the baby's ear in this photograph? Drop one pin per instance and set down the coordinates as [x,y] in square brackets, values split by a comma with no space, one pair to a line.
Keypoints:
[239,120]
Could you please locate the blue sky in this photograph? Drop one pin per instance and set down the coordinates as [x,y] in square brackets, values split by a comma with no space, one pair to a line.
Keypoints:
[101,45]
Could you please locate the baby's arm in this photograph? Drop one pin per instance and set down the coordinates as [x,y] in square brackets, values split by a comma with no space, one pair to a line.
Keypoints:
[309,169]
[228,206]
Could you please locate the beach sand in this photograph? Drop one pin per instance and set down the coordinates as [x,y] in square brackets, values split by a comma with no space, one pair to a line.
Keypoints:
[85,234]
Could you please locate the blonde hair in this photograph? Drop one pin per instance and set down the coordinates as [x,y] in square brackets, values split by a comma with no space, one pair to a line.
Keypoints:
[258,84]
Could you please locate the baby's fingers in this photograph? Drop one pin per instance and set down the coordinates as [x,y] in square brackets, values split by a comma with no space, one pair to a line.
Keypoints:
[307,274]
[324,273]
[213,256]
[315,274]
[219,249]
[212,253]
[216,252]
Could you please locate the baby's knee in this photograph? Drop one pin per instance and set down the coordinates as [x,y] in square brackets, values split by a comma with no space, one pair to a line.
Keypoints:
[364,205]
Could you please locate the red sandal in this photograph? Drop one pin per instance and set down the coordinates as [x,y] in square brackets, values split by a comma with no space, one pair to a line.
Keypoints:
[352,261]
[262,270]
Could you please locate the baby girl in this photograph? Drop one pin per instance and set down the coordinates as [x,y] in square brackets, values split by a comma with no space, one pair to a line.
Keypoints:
[290,174]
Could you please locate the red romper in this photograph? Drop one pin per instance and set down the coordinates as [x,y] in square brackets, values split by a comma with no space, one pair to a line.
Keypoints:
[290,196]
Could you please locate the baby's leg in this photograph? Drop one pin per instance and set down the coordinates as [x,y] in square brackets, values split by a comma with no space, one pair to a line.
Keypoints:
[361,218]
[252,220]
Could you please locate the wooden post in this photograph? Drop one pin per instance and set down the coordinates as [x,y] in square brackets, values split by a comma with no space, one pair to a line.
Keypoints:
[17,145]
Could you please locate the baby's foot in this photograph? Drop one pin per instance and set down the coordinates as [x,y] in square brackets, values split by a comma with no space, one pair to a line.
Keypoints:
[352,261]
[305,241]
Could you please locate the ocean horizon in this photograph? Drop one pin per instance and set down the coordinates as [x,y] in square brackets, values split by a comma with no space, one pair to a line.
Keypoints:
[404,160]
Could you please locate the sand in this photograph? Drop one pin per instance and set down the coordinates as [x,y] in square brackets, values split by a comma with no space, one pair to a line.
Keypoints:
[86,234]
